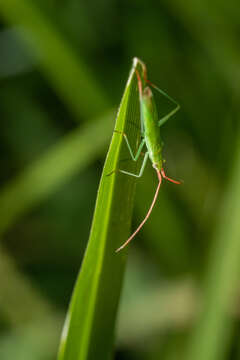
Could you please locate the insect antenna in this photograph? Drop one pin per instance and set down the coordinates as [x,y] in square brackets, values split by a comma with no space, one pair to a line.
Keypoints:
[148,213]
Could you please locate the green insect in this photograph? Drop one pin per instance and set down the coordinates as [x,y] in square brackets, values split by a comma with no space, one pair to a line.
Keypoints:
[150,137]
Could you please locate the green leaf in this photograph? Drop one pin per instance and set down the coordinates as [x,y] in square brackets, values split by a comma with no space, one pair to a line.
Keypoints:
[89,328]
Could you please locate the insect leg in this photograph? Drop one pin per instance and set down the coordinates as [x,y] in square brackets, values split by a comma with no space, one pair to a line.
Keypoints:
[141,170]
[133,157]
[166,117]
[136,156]
[168,178]
[144,68]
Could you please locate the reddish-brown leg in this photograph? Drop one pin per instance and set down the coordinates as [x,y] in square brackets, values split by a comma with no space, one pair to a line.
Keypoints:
[169,179]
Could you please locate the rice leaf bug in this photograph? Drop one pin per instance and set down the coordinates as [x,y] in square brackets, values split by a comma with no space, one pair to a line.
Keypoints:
[150,137]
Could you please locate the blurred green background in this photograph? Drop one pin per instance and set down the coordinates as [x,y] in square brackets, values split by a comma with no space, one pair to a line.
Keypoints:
[63,68]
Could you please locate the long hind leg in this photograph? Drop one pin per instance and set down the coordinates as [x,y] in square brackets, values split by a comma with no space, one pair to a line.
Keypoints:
[132,174]
[166,117]
[177,107]
[141,170]
[138,152]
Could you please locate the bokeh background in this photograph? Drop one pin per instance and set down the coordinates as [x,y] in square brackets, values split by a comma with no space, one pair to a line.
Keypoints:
[63,68]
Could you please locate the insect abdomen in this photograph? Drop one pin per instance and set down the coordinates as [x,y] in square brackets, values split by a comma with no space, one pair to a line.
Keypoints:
[151,129]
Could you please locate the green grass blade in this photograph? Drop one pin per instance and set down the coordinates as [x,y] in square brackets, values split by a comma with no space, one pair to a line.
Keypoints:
[69,76]
[74,152]
[211,337]
[89,328]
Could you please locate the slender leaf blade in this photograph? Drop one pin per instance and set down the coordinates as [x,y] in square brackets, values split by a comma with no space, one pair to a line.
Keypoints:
[89,327]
